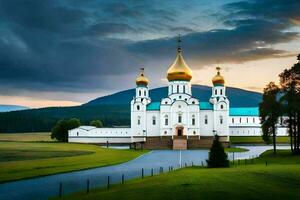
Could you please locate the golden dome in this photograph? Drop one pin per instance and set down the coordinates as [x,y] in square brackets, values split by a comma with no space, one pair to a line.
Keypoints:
[218,79]
[142,80]
[179,70]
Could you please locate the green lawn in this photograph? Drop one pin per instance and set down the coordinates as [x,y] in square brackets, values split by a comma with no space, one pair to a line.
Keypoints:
[26,137]
[20,160]
[255,139]
[235,149]
[279,180]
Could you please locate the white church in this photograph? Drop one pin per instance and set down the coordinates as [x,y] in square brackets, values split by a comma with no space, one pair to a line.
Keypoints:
[178,121]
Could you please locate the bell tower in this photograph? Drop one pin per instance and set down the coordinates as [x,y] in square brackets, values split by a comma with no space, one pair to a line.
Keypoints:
[220,105]
[139,104]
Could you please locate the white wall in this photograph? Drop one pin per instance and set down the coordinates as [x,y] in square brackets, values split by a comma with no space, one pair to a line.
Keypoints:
[206,129]
[250,126]
[102,135]
[153,129]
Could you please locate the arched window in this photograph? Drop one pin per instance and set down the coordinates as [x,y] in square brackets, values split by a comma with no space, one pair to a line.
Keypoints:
[139,120]
[247,120]
[221,92]
[205,119]
[232,120]
[145,93]
[222,105]
[179,118]
[140,93]
[215,92]
[166,120]
[240,120]
[177,88]
[153,120]
[138,107]
[254,120]
[184,89]
[193,120]
[221,119]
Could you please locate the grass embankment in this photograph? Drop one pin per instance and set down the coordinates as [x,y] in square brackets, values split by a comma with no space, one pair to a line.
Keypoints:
[279,180]
[256,139]
[20,160]
[235,149]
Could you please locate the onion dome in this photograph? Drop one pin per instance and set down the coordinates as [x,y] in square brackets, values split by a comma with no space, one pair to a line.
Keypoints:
[142,80]
[179,70]
[218,79]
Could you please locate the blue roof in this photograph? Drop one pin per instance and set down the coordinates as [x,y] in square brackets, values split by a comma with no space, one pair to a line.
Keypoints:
[203,106]
[243,111]
[206,106]
[153,106]
[246,111]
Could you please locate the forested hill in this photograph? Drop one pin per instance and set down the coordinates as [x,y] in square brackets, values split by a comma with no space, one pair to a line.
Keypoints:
[112,109]
[238,97]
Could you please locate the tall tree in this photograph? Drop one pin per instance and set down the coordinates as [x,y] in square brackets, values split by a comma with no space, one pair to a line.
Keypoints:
[270,111]
[60,130]
[290,84]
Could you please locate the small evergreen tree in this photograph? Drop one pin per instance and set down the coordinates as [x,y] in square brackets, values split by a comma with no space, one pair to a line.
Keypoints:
[96,123]
[217,156]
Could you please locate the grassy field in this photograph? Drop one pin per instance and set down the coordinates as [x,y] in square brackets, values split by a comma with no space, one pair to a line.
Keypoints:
[279,180]
[255,139]
[20,160]
[26,137]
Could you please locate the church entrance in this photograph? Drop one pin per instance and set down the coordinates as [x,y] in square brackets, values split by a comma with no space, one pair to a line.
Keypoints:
[179,140]
[179,131]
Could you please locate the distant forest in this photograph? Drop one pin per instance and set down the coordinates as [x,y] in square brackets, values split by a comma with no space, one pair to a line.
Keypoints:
[40,120]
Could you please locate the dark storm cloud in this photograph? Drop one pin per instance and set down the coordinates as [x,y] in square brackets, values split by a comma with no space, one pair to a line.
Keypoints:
[246,42]
[267,9]
[60,45]
[44,46]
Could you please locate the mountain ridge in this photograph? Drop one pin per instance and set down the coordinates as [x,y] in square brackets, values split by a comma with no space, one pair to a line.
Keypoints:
[236,96]
[9,108]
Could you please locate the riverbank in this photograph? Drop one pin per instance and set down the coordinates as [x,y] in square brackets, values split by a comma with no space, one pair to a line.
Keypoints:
[278,180]
[20,160]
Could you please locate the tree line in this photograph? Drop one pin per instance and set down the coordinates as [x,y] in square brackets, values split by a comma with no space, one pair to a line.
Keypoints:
[44,119]
[281,104]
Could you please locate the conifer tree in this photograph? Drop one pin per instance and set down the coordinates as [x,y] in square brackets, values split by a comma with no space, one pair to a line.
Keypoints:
[217,156]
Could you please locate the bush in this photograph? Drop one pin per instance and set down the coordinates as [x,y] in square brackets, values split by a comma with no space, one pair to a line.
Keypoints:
[96,123]
[217,156]
[60,130]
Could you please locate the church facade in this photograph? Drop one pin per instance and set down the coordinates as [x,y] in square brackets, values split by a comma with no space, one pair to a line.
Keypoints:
[179,120]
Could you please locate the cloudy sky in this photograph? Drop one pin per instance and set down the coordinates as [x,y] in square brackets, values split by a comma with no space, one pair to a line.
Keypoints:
[67,52]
